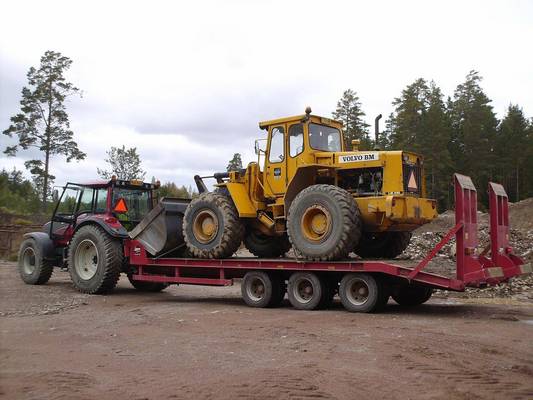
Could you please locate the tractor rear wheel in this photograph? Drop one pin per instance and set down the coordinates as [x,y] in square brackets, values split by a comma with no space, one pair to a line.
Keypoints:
[264,246]
[212,227]
[34,269]
[94,260]
[383,244]
[324,223]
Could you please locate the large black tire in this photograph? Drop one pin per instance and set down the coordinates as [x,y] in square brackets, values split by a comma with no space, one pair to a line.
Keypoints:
[361,292]
[412,295]
[336,236]
[260,289]
[264,246]
[94,260]
[382,245]
[143,286]
[306,291]
[33,268]
[212,227]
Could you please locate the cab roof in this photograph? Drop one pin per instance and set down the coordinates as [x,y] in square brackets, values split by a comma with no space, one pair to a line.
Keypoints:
[301,118]
[132,184]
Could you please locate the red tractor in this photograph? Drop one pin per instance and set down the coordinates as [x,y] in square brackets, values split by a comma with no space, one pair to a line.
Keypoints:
[87,231]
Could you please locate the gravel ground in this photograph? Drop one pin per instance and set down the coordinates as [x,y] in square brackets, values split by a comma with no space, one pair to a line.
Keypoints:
[204,343]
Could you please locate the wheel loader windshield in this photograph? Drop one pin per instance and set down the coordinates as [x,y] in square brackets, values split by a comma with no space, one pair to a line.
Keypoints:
[324,138]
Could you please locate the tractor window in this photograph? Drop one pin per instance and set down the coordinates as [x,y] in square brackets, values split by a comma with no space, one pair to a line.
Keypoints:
[324,138]
[68,202]
[296,139]
[137,204]
[86,202]
[101,200]
[277,151]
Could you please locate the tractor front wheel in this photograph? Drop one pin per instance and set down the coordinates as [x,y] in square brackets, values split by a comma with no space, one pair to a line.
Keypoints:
[34,269]
[94,260]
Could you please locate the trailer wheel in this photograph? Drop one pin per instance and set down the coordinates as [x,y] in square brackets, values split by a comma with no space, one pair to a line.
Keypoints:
[212,227]
[306,291]
[412,295]
[264,246]
[33,268]
[144,286]
[360,292]
[324,223]
[260,290]
[383,244]
[95,260]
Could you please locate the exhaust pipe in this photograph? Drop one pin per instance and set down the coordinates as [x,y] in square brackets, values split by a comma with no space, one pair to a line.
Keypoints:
[376,131]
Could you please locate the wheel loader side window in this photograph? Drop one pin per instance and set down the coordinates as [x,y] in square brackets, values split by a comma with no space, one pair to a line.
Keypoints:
[277,150]
[296,139]
[324,138]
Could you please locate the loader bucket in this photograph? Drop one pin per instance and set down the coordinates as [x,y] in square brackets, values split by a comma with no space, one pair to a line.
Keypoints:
[160,231]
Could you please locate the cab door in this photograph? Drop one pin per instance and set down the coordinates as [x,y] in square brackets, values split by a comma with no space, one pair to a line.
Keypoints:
[275,173]
[295,148]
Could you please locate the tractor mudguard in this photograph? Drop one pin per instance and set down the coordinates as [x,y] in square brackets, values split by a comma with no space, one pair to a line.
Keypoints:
[45,244]
[116,231]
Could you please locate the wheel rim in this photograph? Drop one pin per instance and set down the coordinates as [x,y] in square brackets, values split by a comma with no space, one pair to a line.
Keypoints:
[256,289]
[28,261]
[86,259]
[357,291]
[205,226]
[303,290]
[316,223]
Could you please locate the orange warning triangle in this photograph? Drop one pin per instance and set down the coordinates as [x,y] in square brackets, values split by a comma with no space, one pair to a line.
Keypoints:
[121,206]
[412,182]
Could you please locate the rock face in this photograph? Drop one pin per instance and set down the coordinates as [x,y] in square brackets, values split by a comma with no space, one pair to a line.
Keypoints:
[521,240]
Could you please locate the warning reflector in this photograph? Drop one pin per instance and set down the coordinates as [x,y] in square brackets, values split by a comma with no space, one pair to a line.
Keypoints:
[411,185]
[121,206]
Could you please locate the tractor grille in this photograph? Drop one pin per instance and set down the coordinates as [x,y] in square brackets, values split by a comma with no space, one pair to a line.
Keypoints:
[412,179]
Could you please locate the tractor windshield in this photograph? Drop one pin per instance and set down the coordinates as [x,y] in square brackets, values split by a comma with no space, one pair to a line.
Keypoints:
[131,205]
[324,138]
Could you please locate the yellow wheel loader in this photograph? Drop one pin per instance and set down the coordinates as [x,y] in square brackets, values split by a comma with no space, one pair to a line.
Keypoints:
[312,194]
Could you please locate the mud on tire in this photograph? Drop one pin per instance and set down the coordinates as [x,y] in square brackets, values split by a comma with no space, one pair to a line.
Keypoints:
[382,245]
[212,227]
[33,268]
[94,260]
[329,240]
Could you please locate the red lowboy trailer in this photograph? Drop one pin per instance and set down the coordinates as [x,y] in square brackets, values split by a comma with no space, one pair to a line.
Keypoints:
[363,286]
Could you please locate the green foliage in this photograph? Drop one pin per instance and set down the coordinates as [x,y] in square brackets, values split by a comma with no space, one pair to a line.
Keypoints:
[350,114]
[170,189]
[235,163]
[43,122]
[18,194]
[125,164]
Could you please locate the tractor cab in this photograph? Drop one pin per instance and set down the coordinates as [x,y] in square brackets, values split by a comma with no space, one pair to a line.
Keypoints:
[116,205]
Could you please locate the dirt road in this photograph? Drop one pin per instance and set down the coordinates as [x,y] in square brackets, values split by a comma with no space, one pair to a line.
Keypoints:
[204,343]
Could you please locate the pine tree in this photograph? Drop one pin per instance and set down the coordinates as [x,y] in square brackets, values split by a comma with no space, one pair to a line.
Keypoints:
[511,149]
[43,122]
[407,120]
[125,164]
[474,126]
[235,163]
[350,114]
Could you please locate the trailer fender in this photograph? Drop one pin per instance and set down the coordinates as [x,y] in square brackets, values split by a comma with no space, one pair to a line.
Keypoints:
[43,242]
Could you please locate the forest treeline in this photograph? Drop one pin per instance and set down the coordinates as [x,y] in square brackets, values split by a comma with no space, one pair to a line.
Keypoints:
[459,133]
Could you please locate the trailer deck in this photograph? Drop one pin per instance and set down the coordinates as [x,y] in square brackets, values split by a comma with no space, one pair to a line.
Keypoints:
[472,269]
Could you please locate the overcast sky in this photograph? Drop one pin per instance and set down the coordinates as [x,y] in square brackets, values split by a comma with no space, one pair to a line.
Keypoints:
[187,82]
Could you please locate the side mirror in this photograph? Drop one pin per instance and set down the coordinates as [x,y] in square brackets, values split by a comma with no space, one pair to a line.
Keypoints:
[256,147]
[55,196]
